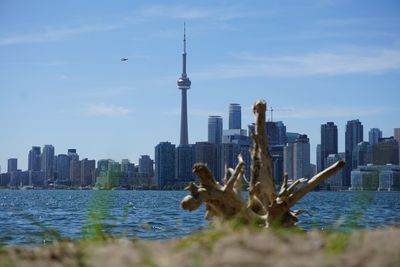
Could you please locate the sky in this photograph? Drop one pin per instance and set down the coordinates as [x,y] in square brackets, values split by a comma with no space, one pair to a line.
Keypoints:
[62,81]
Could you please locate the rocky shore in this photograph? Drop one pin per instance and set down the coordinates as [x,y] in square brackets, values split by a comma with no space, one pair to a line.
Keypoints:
[220,247]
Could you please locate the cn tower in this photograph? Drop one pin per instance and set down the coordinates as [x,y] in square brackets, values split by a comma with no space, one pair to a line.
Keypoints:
[184,85]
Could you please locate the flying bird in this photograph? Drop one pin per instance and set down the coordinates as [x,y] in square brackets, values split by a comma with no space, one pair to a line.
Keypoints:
[124,59]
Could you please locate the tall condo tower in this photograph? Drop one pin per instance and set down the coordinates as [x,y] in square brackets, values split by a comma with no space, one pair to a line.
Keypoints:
[184,85]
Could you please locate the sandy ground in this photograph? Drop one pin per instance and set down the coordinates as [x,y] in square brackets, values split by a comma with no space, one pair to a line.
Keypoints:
[220,248]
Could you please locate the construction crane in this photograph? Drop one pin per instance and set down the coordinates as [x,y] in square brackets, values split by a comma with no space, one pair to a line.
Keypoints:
[271,109]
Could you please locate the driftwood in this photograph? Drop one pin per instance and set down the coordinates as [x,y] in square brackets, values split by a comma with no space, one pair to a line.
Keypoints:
[264,205]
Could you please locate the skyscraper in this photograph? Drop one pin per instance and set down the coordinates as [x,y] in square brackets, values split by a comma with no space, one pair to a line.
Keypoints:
[386,151]
[12,165]
[165,164]
[296,158]
[48,162]
[276,132]
[353,136]
[62,168]
[184,161]
[210,154]
[335,182]
[362,155]
[374,135]
[88,168]
[184,85]
[319,158]
[329,142]
[235,116]
[72,155]
[34,159]
[215,129]
[397,137]
[146,165]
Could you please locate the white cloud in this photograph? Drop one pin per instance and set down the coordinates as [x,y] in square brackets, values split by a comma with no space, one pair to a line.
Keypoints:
[109,110]
[320,63]
[54,34]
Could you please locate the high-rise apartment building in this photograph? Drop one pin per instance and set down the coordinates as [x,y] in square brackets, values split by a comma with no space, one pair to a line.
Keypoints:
[75,172]
[62,168]
[146,165]
[396,135]
[386,151]
[353,136]
[276,133]
[336,181]
[318,158]
[374,135]
[48,162]
[88,168]
[215,129]
[296,158]
[235,116]
[72,154]
[12,165]
[362,155]
[34,163]
[165,164]
[208,153]
[329,142]
[184,161]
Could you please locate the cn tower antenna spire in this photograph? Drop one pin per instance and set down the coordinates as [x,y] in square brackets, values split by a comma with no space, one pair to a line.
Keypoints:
[184,85]
[184,37]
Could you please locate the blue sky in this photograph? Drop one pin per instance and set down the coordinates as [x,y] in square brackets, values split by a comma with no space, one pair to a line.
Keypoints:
[62,81]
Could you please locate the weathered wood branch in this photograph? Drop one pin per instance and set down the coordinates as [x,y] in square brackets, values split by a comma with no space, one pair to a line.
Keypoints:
[264,205]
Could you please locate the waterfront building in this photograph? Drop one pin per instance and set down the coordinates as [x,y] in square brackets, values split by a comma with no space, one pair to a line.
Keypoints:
[12,165]
[291,137]
[353,136]
[207,153]
[184,161]
[19,178]
[335,182]
[389,178]
[374,135]
[229,154]
[34,163]
[36,179]
[296,158]
[386,151]
[277,163]
[276,132]
[47,162]
[319,158]
[75,172]
[215,129]
[362,154]
[165,164]
[376,177]
[5,179]
[72,154]
[62,170]
[146,165]
[184,84]
[88,168]
[397,137]
[329,142]
[235,116]
[102,166]
[110,176]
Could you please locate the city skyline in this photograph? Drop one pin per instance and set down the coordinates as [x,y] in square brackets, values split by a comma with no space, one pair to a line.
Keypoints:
[64,84]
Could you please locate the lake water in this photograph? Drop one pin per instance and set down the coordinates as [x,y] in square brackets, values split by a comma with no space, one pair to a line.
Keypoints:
[38,216]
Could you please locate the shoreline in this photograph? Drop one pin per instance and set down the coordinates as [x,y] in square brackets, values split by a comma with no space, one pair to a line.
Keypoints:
[221,246]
